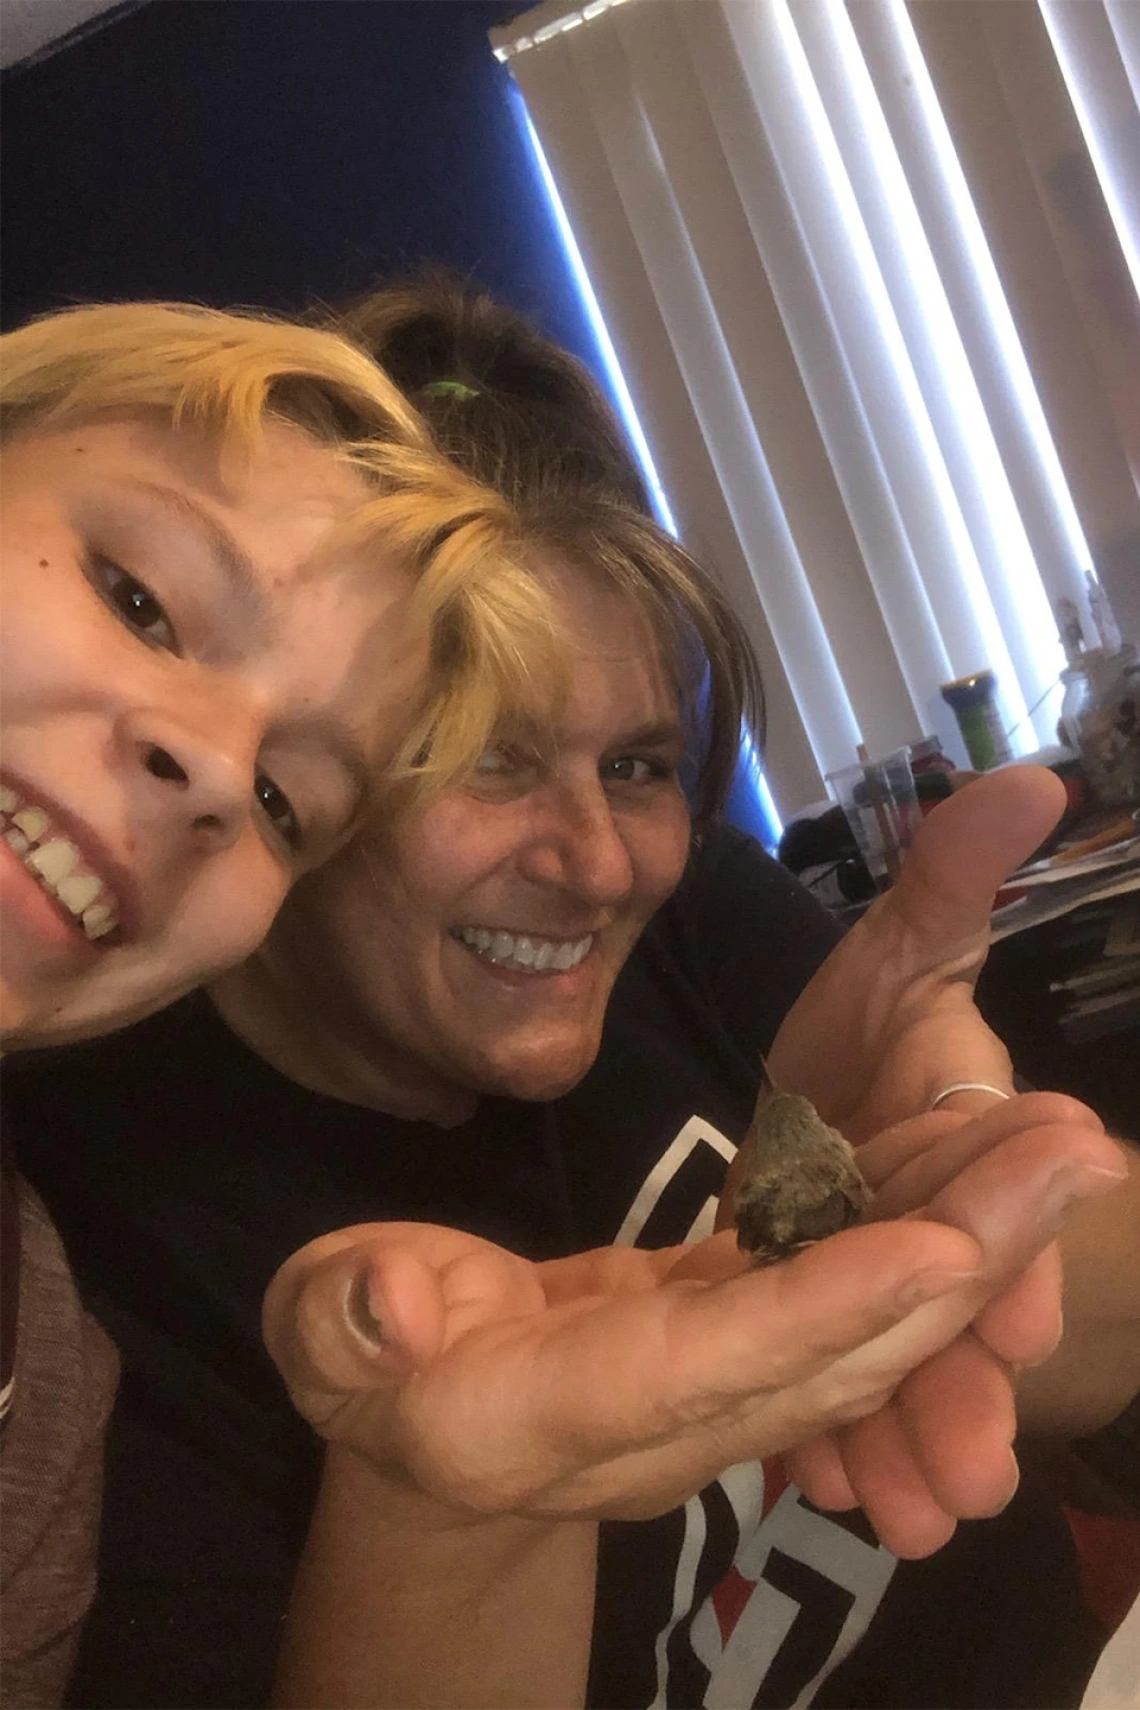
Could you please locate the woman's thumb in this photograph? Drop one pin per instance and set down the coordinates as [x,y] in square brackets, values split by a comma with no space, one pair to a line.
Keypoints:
[362,1317]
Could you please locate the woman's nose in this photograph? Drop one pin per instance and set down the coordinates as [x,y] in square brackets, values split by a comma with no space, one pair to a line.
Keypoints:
[580,848]
[198,779]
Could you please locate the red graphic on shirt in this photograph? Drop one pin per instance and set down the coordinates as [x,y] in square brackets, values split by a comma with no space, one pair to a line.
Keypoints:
[730,1599]
[731,1595]
[775,1484]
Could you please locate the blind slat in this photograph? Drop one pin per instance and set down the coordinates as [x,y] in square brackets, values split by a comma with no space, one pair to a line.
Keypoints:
[551,87]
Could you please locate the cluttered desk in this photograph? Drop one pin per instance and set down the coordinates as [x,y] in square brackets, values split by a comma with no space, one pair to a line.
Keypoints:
[1062,983]
[1071,916]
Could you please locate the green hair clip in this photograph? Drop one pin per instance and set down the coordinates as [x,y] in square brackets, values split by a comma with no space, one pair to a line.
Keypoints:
[448,389]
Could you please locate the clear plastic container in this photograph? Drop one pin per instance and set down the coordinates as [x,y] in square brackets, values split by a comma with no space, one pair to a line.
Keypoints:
[881,804]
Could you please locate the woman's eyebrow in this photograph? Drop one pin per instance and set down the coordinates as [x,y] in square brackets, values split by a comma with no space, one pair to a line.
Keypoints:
[662,733]
[243,582]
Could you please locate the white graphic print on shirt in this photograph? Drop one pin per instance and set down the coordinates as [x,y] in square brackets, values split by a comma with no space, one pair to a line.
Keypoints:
[803,1585]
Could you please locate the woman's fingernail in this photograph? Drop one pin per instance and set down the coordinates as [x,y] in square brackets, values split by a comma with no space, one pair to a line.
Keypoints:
[1074,1182]
[1014,1475]
[929,1285]
[361,1314]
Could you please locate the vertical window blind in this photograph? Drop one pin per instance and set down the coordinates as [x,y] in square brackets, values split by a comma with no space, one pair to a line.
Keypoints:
[868,269]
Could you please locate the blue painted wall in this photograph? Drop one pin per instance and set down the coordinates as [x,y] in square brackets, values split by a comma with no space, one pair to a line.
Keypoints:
[273,152]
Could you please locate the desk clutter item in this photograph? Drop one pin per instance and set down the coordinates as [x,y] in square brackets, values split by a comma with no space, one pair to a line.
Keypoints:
[1072,1038]
[1101,996]
[973,701]
[880,801]
[1100,716]
[1073,875]
[820,848]
[1116,845]
[932,771]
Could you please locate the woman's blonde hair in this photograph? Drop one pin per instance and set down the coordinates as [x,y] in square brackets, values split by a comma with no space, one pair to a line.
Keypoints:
[493,647]
[521,415]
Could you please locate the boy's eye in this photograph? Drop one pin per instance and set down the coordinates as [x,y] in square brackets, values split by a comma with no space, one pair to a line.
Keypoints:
[277,809]
[133,601]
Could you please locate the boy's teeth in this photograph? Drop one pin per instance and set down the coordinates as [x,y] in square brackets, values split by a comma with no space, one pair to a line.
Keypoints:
[55,860]
[98,920]
[78,891]
[54,863]
[33,822]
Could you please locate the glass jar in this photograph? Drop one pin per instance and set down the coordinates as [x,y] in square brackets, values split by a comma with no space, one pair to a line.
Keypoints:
[1100,715]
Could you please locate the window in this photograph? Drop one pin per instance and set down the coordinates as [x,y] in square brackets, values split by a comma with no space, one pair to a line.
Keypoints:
[876,318]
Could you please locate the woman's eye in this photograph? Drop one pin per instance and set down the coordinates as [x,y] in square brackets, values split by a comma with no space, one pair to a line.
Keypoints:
[276,807]
[495,759]
[133,601]
[503,766]
[630,769]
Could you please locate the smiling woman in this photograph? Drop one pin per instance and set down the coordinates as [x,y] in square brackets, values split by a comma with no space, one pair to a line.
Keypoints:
[471,948]
[240,591]
[487,927]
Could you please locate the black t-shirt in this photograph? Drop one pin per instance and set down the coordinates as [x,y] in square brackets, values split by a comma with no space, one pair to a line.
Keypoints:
[183,1170]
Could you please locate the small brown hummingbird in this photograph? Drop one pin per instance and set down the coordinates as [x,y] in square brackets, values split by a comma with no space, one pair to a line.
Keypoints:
[800,1182]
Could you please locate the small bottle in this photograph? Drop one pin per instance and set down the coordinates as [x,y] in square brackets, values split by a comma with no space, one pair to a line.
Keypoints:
[927,756]
[973,700]
[1071,633]
[931,771]
[1078,698]
[1104,619]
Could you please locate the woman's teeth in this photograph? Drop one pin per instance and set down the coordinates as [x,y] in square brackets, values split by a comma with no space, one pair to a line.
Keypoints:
[525,955]
[57,865]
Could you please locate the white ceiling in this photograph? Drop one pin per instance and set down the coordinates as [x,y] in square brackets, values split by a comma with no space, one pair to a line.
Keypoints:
[27,25]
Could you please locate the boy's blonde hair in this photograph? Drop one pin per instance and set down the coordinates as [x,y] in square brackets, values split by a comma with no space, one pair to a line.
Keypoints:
[492,643]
